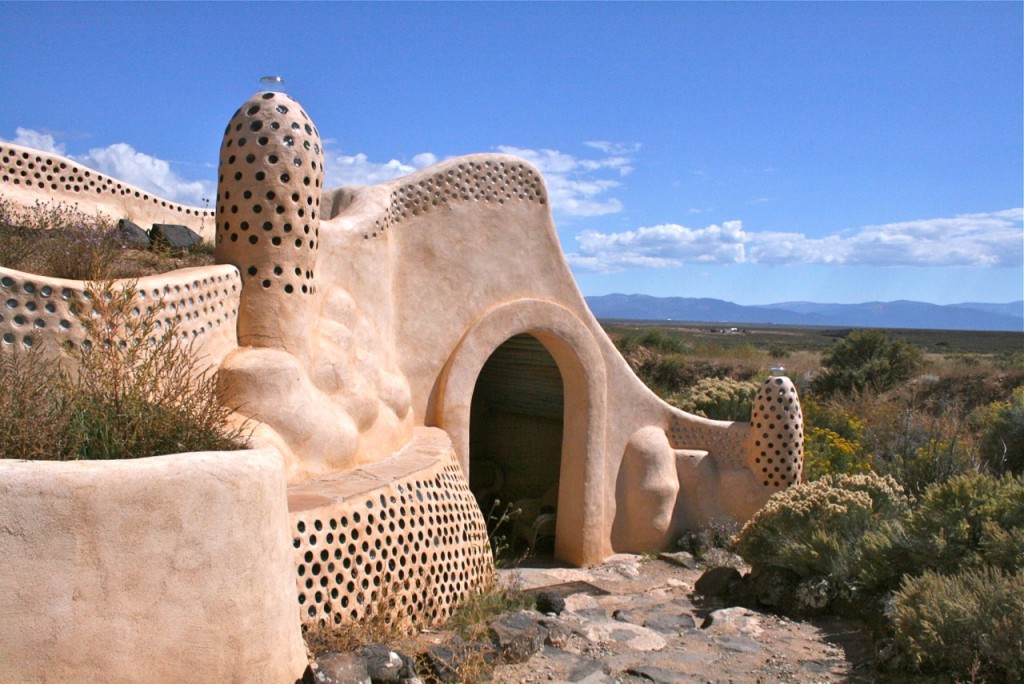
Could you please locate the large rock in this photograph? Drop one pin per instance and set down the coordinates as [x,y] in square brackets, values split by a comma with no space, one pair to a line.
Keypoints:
[775,587]
[718,582]
[341,668]
[517,636]
[131,235]
[550,602]
[386,666]
[174,237]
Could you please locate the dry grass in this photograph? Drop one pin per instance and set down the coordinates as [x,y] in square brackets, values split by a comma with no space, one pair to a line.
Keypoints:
[60,241]
[132,389]
[465,634]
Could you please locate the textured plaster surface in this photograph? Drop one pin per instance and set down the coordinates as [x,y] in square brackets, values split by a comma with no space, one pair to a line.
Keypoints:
[166,569]
[203,301]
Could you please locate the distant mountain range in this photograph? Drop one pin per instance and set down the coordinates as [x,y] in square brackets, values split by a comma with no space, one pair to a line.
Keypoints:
[899,314]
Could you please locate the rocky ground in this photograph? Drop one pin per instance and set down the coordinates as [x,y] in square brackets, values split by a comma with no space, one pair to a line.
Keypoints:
[632,619]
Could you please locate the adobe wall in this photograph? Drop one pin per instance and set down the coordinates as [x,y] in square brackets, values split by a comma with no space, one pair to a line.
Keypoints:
[28,176]
[163,569]
[462,256]
[36,311]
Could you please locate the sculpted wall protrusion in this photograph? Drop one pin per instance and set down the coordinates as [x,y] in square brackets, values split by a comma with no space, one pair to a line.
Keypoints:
[311,370]
[648,488]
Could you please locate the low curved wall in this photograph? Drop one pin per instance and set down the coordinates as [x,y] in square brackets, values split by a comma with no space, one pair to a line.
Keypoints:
[167,569]
[36,309]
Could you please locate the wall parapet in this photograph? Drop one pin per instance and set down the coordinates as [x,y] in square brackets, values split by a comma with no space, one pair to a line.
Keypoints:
[28,175]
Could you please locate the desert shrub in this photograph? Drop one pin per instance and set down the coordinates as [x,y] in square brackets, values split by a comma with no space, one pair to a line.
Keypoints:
[918,441]
[827,452]
[80,251]
[667,373]
[968,522]
[718,398]
[815,528]
[967,624]
[139,387]
[132,389]
[935,461]
[17,246]
[866,360]
[1001,442]
[58,240]
[654,338]
[492,598]
[778,351]
[35,407]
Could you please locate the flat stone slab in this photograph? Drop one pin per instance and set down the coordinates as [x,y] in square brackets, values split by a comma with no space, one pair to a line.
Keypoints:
[624,635]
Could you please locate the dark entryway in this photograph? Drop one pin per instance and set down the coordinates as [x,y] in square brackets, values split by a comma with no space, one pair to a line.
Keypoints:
[515,440]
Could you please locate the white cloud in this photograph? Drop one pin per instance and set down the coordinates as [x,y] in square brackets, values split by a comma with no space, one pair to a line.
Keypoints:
[26,137]
[979,240]
[575,186]
[342,169]
[125,163]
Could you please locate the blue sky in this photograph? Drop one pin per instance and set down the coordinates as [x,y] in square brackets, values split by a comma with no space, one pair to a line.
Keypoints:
[829,152]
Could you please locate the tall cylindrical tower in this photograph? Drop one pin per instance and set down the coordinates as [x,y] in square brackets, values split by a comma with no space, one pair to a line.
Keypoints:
[268,218]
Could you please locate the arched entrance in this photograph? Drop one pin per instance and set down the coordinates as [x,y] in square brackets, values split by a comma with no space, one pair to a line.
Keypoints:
[580,536]
[515,441]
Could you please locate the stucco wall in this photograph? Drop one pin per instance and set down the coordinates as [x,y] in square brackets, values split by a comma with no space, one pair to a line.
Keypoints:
[36,310]
[28,176]
[168,569]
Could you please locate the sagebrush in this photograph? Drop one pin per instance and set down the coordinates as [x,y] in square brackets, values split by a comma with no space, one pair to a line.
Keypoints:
[968,624]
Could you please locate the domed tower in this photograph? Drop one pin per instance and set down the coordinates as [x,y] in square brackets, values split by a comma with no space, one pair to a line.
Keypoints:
[268,218]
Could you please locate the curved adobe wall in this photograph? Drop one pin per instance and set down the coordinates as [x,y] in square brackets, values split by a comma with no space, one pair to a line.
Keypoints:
[402,536]
[473,236]
[36,310]
[28,176]
[159,569]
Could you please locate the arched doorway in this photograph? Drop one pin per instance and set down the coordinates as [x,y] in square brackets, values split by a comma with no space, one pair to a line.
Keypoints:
[516,441]
[581,536]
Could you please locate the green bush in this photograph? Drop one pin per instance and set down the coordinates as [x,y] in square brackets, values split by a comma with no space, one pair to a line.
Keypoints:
[718,398]
[655,338]
[1001,445]
[968,522]
[968,624]
[35,407]
[815,528]
[866,360]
